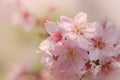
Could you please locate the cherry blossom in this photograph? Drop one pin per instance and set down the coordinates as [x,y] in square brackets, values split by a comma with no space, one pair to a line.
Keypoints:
[78,29]
[66,58]
[108,71]
[106,36]
[78,50]
[55,33]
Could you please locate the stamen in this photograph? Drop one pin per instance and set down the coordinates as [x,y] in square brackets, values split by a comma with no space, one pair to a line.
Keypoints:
[98,43]
[71,53]
[106,68]
[55,57]
[78,30]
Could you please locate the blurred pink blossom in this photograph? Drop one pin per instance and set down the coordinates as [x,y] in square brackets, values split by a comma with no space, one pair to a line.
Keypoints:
[7,9]
[25,18]
[24,72]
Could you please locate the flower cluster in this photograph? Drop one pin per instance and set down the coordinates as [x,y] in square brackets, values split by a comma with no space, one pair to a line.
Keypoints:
[78,50]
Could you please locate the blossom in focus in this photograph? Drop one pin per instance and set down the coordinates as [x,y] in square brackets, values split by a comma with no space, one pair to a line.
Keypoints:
[65,59]
[117,47]
[55,33]
[108,71]
[78,29]
[102,43]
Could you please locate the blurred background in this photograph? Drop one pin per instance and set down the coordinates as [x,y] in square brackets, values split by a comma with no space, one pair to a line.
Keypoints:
[22,26]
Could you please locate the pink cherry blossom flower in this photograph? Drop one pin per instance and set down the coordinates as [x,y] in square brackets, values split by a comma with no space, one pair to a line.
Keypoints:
[103,41]
[55,33]
[65,60]
[117,47]
[78,29]
[108,71]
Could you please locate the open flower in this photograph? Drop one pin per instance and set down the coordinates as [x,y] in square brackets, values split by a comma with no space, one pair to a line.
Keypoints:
[66,59]
[78,29]
[102,43]
[55,33]
[108,71]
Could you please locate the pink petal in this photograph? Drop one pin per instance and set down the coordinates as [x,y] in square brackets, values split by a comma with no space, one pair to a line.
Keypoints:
[81,18]
[46,44]
[94,55]
[83,43]
[65,19]
[51,27]
[110,34]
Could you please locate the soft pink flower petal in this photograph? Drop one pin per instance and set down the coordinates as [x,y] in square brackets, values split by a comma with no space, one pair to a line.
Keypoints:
[81,18]
[51,27]
[45,45]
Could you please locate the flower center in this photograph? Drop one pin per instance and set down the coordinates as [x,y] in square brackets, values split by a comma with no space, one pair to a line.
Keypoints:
[106,68]
[57,36]
[71,53]
[99,43]
[55,57]
[84,77]
[78,30]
